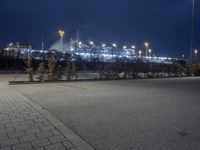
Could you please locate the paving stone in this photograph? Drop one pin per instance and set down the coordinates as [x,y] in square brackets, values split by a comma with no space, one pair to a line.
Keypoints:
[11,124]
[3,137]
[32,131]
[44,135]
[57,139]
[47,128]
[2,125]
[16,134]
[22,127]
[56,132]
[73,148]
[40,148]
[28,138]
[40,143]
[6,130]
[36,125]
[28,122]
[6,148]
[9,142]
[67,144]
[47,123]
[17,119]
[40,120]
[6,121]
[24,146]
[57,146]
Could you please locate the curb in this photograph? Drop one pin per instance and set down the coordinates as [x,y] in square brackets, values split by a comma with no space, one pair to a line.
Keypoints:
[75,139]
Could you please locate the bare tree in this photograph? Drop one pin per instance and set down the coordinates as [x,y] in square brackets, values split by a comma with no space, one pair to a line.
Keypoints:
[41,71]
[52,74]
[29,70]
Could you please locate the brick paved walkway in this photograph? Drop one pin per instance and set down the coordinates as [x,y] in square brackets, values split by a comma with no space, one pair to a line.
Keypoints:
[24,127]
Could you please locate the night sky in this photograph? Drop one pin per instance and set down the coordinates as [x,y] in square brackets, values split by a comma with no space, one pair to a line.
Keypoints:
[166,24]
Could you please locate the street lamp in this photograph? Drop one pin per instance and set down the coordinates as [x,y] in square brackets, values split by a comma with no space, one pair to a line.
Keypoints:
[91,43]
[114,45]
[79,43]
[103,45]
[192,33]
[150,50]
[61,33]
[146,44]
[124,47]
[133,46]
[195,52]
[140,53]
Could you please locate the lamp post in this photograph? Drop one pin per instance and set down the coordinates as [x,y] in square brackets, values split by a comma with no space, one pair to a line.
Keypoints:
[92,50]
[140,53]
[91,43]
[61,33]
[192,33]
[114,46]
[195,53]
[150,51]
[146,44]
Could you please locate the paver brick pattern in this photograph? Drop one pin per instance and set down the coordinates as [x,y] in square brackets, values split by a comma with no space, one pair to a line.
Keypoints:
[24,128]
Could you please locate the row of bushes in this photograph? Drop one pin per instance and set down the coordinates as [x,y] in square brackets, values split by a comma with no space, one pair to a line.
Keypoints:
[51,71]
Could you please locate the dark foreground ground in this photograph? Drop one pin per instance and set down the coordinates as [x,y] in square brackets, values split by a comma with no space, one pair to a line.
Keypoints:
[157,114]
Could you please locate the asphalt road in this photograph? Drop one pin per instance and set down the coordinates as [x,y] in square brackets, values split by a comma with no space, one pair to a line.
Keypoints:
[156,114]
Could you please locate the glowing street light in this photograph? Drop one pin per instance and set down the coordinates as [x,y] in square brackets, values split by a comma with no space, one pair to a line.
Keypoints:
[140,53]
[150,50]
[91,43]
[146,44]
[114,45]
[195,52]
[124,47]
[80,43]
[133,46]
[103,45]
[61,33]
[192,33]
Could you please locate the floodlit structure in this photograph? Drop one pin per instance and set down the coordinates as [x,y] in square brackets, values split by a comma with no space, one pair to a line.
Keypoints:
[85,52]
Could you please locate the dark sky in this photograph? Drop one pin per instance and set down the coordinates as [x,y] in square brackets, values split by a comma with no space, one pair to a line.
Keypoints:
[166,24]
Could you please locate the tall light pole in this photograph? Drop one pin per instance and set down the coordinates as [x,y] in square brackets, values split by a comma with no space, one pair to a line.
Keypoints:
[114,46]
[195,53]
[146,44]
[150,50]
[140,53]
[61,33]
[192,33]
